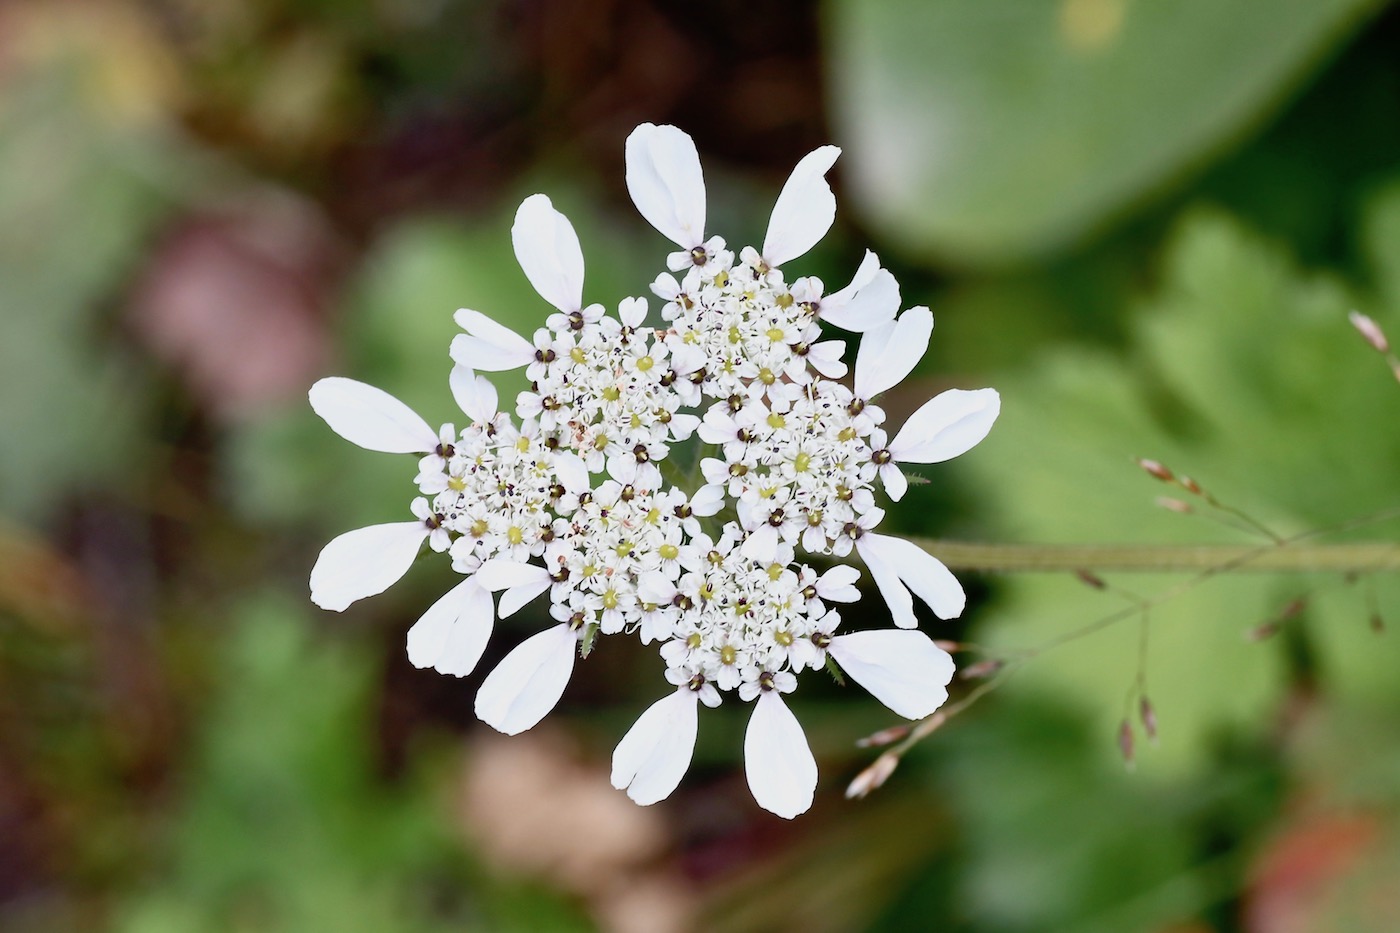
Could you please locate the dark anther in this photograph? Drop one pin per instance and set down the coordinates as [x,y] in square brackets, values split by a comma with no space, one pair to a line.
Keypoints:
[551,443]
[699,256]
[641,453]
[737,469]
[856,407]
[821,639]
[668,378]
[736,402]
[560,575]
[801,349]
[696,682]
[880,457]
[576,621]
[584,498]
[809,306]
[575,320]
[683,602]
[445,451]
[435,520]
[765,680]
[809,592]
[547,535]
[684,511]
[545,356]
[627,494]
[556,491]
[663,416]
[776,519]
[745,435]
[549,403]
[852,529]
[698,376]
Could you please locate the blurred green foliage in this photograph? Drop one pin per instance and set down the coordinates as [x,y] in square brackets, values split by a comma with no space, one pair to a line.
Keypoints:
[987,132]
[284,823]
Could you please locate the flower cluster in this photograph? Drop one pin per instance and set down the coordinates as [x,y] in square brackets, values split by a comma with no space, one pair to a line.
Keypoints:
[568,497]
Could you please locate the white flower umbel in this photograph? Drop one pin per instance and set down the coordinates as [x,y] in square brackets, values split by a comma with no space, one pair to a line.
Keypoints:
[572,495]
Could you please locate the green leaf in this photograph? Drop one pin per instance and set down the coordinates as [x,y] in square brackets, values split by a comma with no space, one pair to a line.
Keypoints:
[983,131]
[1244,373]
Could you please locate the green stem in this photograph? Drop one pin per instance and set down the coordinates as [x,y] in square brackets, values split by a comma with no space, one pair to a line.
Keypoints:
[1285,557]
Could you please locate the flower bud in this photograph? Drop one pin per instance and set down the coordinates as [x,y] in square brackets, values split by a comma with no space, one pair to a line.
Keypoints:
[873,776]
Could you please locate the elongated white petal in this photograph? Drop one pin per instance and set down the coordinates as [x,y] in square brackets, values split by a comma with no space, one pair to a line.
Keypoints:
[666,183]
[521,583]
[548,251]
[528,682]
[896,595]
[655,753]
[516,597]
[777,760]
[804,210]
[761,545]
[707,500]
[896,485]
[838,584]
[475,394]
[452,634]
[870,300]
[915,568]
[571,471]
[502,574]
[825,358]
[894,354]
[371,417]
[364,562]
[949,424]
[904,670]
[488,346]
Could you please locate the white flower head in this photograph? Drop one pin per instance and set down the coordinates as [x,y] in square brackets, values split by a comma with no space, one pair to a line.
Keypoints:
[572,501]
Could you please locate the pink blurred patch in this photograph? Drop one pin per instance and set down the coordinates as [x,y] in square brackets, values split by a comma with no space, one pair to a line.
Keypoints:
[235,299]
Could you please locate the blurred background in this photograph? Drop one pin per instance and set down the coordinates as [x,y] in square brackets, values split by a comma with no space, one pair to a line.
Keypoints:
[1143,222]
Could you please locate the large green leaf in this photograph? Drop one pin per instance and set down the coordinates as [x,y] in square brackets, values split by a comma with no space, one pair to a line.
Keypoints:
[1243,372]
[988,130]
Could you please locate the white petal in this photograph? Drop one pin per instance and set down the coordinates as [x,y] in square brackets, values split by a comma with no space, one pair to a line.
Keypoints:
[949,424]
[453,633]
[488,346]
[762,544]
[632,311]
[364,562]
[896,350]
[666,183]
[502,574]
[905,671]
[896,485]
[475,394]
[708,500]
[653,756]
[781,770]
[516,597]
[918,569]
[371,417]
[897,597]
[804,210]
[865,274]
[571,471]
[838,584]
[877,303]
[547,249]
[528,682]
[825,358]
